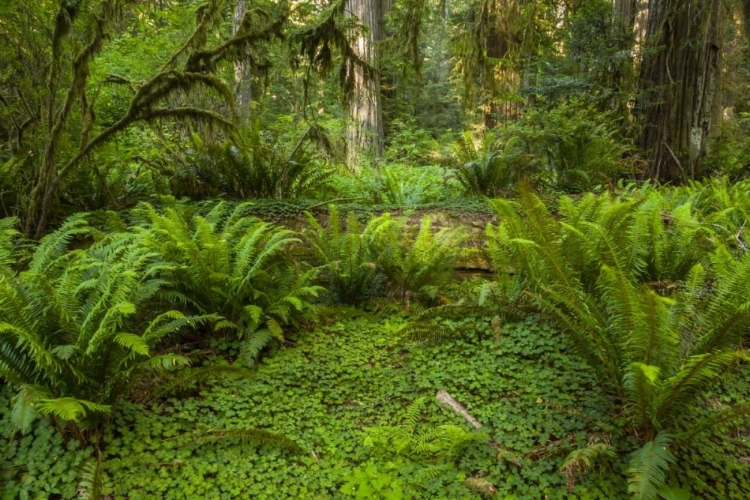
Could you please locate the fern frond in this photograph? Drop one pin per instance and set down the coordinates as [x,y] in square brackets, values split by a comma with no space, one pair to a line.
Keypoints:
[69,408]
[250,349]
[92,480]
[54,246]
[648,467]
[430,472]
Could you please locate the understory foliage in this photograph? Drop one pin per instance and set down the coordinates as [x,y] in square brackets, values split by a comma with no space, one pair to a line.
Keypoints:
[404,457]
[342,381]
[570,147]
[255,170]
[358,257]
[8,234]
[231,264]
[77,327]
[654,302]
[349,252]
[466,248]
[420,265]
[490,167]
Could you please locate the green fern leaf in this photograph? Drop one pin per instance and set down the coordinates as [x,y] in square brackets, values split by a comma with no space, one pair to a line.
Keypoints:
[69,408]
[648,467]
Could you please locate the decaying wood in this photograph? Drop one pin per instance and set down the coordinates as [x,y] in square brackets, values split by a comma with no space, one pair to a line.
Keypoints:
[444,398]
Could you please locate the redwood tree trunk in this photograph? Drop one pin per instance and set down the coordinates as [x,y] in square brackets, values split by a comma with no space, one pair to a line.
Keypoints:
[243,90]
[365,127]
[679,83]
[622,74]
[623,16]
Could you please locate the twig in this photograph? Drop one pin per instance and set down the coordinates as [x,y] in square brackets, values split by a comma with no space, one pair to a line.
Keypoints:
[675,158]
[446,399]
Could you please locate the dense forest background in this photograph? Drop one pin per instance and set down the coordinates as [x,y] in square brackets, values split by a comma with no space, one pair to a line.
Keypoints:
[387,249]
[106,103]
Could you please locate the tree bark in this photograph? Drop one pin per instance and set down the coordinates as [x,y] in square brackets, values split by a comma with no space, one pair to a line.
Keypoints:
[623,82]
[243,85]
[746,17]
[623,16]
[679,84]
[365,126]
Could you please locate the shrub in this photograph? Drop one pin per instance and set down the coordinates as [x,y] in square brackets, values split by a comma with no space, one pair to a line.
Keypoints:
[257,170]
[349,253]
[228,263]
[491,167]
[653,353]
[77,327]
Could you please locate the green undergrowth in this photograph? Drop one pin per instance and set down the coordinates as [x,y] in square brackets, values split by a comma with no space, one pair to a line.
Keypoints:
[334,389]
[282,210]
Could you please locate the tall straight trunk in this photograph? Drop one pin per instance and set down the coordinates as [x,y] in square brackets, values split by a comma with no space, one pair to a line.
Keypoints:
[243,85]
[365,126]
[624,14]
[507,38]
[746,17]
[679,83]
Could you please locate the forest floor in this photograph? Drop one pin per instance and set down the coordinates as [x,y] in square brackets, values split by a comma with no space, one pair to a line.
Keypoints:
[344,392]
[335,391]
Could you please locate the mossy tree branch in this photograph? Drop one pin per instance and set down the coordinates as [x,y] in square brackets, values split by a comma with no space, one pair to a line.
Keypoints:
[198,71]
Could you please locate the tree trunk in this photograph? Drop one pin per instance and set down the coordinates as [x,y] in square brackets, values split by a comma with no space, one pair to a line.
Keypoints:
[746,17]
[623,16]
[365,127]
[623,81]
[243,85]
[679,83]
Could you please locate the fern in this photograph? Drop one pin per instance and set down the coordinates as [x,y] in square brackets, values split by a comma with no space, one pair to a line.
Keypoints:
[92,479]
[253,169]
[228,263]
[250,349]
[581,460]
[423,265]
[69,408]
[430,451]
[74,331]
[354,256]
[648,295]
[349,253]
[489,168]
[648,467]
[430,472]
[588,269]
[8,235]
